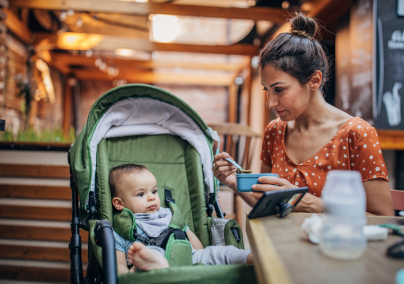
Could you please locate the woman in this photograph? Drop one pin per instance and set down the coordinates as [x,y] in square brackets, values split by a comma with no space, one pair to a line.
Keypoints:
[310,137]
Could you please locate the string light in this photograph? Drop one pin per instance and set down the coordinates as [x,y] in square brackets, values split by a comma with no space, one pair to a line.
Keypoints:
[89,53]
[63,15]
[70,13]
[79,22]
[98,62]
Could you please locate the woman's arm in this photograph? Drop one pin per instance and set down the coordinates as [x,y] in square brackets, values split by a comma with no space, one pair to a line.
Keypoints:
[378,197]
[122,265]
[225,172]
[195,242]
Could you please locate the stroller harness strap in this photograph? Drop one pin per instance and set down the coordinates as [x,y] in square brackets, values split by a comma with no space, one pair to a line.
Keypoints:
[173,239]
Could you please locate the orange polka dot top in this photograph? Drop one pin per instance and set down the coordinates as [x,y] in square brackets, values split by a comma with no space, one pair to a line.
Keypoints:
[355,147]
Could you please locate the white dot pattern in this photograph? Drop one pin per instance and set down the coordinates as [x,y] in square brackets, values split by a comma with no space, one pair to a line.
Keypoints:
[359,150]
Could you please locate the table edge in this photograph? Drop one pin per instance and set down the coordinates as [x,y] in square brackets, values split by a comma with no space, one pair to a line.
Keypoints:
[276,272]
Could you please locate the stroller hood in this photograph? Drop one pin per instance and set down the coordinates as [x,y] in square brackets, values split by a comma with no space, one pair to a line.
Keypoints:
[137,110]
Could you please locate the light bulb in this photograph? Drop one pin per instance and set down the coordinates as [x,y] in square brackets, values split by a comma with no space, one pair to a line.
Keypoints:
[79,22]
[63,16]
[70,13]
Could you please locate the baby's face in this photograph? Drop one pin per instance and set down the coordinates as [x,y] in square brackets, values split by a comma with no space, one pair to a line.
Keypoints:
[138,192]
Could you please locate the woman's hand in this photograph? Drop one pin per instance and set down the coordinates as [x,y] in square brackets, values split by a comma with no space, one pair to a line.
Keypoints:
[224,171]
[270,184]
[308,203]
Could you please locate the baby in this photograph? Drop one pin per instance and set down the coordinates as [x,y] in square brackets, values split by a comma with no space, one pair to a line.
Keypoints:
[135,187]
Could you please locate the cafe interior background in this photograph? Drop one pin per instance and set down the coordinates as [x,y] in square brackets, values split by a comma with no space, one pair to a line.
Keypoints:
[58,57]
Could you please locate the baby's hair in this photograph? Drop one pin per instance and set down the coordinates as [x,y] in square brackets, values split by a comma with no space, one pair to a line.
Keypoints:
[299,52]
[116,172]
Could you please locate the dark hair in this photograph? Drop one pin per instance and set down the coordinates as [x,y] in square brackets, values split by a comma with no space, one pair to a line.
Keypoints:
[297,53]
[118,171]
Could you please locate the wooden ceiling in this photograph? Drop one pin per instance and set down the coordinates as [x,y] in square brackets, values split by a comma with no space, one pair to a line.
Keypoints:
[136,8]
[99,31]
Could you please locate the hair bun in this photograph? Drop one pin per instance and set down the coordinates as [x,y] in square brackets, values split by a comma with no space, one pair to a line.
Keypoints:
[305,26]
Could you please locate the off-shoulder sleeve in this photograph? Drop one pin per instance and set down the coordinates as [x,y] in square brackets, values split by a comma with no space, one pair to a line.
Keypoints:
[267,144]
[366,152]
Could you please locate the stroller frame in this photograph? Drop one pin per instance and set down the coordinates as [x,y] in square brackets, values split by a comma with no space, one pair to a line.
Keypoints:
[92,212]
[104,238]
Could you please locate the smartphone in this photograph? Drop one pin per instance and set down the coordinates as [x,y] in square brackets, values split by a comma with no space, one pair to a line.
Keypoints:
[280,202]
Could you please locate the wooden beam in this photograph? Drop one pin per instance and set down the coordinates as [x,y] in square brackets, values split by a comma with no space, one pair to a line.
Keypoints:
[324,10]
[68,60]
[248,86]
[35,191]
[44,18]
[91,25]
[154,78]
[334,10]
[314,7]
[134,8]
[232,105]
[17,27]
[45,56]
[67,106]
[81,41]
[38,171]
[233,129]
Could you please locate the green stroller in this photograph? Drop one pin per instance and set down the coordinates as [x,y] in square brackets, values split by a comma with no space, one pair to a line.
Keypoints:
[146,125]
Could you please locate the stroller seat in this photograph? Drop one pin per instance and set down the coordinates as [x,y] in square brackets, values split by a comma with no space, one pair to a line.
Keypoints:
[146,125]
[176,166]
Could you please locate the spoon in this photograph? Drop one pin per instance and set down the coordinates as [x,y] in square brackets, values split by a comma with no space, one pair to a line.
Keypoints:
[239,169]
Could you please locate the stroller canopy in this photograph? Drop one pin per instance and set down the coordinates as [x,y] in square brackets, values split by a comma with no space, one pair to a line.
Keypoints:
[138,110]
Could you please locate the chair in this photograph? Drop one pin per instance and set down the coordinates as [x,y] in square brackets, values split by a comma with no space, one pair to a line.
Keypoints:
[398,199]
[237,140]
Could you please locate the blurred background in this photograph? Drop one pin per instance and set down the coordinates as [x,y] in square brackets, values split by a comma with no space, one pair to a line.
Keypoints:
[58,57]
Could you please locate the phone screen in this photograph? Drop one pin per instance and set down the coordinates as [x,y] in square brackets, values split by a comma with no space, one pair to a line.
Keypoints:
[294,198]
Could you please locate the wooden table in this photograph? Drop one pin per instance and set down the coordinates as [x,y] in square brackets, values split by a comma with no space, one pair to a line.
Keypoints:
[283,254]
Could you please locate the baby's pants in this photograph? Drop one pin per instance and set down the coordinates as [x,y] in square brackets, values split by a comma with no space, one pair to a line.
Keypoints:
[214,255]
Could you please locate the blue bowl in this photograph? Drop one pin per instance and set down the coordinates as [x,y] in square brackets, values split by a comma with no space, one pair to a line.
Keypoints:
[246,181]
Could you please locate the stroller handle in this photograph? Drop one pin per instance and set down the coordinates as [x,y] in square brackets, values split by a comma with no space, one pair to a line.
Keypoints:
[105,239]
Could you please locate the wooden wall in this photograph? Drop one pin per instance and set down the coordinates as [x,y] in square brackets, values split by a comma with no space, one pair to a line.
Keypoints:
[43,115]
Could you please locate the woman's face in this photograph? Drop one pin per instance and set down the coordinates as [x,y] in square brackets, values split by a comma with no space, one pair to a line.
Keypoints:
[285,94]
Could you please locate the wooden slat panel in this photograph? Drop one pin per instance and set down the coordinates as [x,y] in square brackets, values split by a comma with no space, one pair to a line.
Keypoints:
[39,233]
[35,191]
[39,171]
[38,253]
[37,273]
[34,212]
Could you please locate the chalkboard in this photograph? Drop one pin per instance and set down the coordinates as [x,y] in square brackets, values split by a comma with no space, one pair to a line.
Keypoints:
[389,94]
